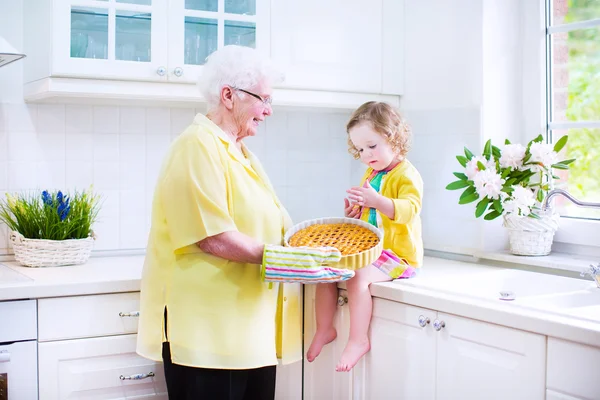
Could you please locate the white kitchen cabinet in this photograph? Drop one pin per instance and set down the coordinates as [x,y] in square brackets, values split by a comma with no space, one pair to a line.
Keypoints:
[340,45]
[572,370]
[99,368]
[334,54]
[140,40]
[401,363]
[478,360]
[418,353]
[321,381]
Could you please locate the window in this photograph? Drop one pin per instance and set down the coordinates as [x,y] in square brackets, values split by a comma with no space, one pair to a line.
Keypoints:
[573,96]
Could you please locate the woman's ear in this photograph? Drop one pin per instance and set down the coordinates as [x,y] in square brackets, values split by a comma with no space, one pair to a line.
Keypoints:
[227,97]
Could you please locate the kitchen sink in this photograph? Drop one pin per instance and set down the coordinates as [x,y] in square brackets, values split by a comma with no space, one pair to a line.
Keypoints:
[581,298]
[8,275]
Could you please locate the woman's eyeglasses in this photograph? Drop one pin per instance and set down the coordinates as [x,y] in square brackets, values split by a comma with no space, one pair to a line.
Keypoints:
[266,100]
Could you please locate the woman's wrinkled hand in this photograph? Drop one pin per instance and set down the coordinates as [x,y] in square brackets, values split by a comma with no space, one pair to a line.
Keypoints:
[351,210]
[364,196]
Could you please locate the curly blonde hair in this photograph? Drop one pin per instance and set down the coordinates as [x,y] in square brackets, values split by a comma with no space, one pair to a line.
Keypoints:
[386,121]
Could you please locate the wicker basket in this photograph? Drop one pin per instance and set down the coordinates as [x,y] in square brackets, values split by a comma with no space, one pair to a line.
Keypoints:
[529,236]
[50,253]
[352,261]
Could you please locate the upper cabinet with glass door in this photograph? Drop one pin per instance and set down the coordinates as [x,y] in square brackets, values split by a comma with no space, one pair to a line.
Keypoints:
[140,40]
[110,39]
[199,27]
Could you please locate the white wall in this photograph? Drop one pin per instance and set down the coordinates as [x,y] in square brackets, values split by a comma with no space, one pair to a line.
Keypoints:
[463,85]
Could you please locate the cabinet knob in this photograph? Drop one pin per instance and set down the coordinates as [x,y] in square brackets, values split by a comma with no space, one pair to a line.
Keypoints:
[438,325]
[136,377]
[129,314]
[178,71]
[161,71]
[342,300]
[423,321]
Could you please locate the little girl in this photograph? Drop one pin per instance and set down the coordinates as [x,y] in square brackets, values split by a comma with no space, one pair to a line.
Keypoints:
[389,198]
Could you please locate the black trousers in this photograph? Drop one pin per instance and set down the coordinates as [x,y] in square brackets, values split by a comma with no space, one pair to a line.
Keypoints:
[189,383]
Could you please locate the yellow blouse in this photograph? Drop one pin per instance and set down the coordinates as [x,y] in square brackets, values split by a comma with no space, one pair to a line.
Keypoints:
[220,313]
[402,235]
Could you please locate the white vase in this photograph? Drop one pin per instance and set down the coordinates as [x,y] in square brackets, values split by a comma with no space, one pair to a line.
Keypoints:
[530,236]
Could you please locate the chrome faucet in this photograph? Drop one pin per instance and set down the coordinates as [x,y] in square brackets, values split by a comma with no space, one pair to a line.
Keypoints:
[594,272]
[555,192]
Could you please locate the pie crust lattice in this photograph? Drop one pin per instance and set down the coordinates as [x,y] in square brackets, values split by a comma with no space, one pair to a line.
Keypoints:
[347,238]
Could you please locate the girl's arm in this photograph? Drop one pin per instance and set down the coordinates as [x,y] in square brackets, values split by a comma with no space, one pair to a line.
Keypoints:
[385,205]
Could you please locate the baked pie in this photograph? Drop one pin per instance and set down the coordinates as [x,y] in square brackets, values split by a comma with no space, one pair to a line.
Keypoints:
[347,238]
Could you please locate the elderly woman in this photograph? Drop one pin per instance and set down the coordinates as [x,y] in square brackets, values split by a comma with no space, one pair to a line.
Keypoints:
[205,310]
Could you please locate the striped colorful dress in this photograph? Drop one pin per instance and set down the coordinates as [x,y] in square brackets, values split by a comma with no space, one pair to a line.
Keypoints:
[389,263]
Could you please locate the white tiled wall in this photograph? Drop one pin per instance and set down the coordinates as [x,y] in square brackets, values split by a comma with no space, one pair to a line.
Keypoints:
[119,150]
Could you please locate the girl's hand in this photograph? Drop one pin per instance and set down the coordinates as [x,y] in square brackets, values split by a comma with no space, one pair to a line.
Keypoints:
[351,210]
[364,196]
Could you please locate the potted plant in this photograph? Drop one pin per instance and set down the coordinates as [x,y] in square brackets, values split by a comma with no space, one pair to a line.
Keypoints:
[50,229]
[512,182]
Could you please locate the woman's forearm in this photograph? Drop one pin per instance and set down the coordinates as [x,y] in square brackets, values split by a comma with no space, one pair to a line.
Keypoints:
[233,246]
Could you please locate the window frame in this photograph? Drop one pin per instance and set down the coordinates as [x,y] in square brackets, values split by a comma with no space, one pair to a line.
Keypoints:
[575,235]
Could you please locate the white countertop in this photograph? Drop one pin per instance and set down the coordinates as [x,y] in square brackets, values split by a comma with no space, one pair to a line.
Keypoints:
[98,275]
[461,288]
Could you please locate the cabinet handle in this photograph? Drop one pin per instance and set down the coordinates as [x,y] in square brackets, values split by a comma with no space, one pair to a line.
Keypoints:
[4,356]
[136,376]
[178,72]
[342,300]
[161,71]
[129,314]
[438,325]
[423,321]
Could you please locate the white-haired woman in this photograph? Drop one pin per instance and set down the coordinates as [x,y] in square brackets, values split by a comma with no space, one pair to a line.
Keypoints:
[205,311]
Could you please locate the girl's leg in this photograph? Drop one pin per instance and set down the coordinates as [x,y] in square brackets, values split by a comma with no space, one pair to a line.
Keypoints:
[361,309]
[325,306]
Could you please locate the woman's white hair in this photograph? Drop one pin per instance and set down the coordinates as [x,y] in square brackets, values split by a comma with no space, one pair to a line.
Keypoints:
[237,66]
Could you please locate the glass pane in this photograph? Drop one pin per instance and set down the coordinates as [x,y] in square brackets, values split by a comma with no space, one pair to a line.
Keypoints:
[247,7]
[89,33]
[575,80]
[200,39]
[133,36]
[567,11]
[240,33]
[202,5]
[582,179]
[141,2]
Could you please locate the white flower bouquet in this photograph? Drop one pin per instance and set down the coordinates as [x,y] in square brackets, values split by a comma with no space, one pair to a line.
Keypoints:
[511,180]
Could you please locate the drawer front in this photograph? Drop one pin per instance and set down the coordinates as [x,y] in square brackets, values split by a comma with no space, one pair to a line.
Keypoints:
[18,321]
[88,316]
[573,369]
[95,369]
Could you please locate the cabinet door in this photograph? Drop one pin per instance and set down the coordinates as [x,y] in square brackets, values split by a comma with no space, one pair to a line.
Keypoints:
[321,381]
[116,39]
[95,368]
[199,27]
[477,360]
[573,368]
[329,45]
[401,363]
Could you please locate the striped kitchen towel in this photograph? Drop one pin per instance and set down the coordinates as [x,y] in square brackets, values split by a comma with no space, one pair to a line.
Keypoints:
[302,265]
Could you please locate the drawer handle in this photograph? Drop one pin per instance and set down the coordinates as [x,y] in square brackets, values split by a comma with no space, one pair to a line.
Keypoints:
[438,325]
[136,377]
[129,314]
[4,356]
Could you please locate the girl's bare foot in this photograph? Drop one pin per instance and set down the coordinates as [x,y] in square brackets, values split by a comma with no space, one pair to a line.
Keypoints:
[319,340]
[353,352]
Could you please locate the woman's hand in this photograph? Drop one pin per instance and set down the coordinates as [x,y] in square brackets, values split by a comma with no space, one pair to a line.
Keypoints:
[351,210]
[364,196]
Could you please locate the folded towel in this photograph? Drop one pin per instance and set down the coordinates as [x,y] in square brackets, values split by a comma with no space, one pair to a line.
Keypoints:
[302,265]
